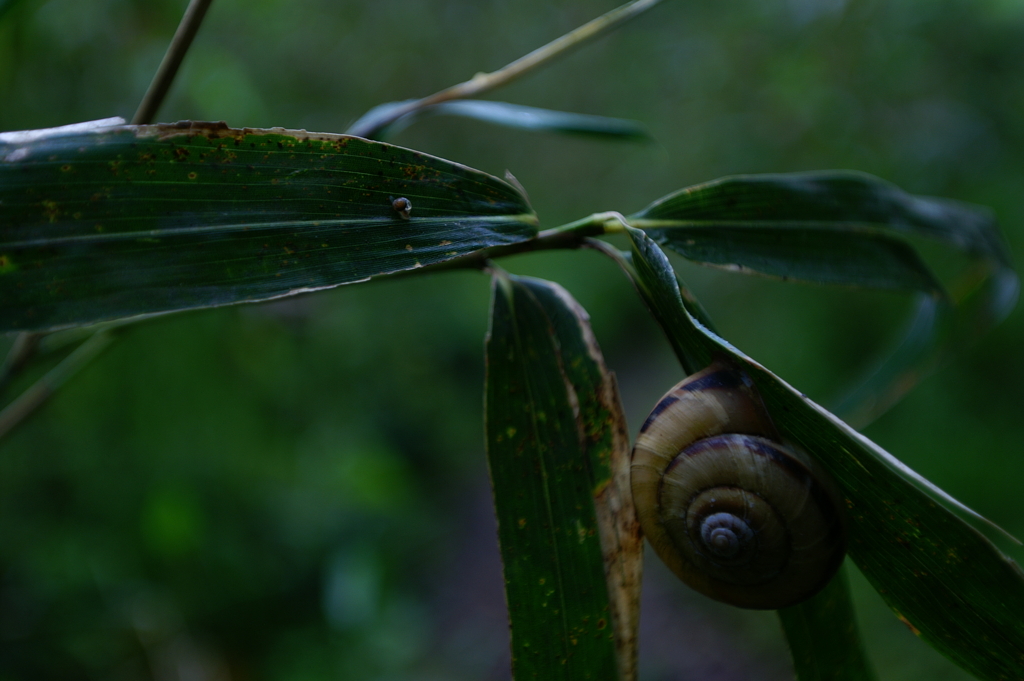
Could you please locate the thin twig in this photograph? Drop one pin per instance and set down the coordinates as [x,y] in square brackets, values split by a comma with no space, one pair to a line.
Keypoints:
[615,254]
[26,344]
[30,400]
[24,348]
[483,82]
[182,40]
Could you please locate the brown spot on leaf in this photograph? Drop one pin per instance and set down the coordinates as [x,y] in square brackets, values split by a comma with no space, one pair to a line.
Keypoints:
[901,618]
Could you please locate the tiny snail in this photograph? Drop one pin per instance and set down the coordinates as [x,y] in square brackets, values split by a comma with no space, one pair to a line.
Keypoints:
[734,513]
[402,206]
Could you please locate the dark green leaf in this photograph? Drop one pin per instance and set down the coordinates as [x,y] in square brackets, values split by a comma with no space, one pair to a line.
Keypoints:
[129,220]
[651,274]
[693,306]
[842,227]
[558,455]
[823,254]
[823,637]
[830,228]
[829,199]
[941,576]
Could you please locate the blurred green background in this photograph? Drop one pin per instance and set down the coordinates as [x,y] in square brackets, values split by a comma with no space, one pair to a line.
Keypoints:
[298,491]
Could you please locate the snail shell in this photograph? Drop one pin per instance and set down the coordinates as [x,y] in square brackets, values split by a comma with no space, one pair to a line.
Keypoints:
[402,206]
[734,513]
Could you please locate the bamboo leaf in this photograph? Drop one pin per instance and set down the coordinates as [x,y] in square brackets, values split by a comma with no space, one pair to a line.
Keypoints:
[507,115]
[558,454]
[829,228]
[849,228]
[940,576]
[823,255]
[827,199]
[117,221]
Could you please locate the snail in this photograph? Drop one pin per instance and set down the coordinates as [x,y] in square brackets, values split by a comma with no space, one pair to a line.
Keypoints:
[735,513]
[402,206]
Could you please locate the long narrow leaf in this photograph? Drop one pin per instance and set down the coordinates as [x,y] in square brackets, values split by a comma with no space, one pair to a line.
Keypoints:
[830,228]
[558,455]
[821,254]
[510,116]
[842,227]
[130,220]
[941,576]
[829,200]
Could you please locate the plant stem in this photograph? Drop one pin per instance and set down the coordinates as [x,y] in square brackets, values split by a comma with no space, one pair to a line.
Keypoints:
[24,348]
[617,256]
[569,236]
[182,40]
[30,400]
[484,82]
[26,344]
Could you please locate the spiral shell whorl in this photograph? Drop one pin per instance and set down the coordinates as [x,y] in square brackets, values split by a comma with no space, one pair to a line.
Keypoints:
[736,515]
[724,535]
